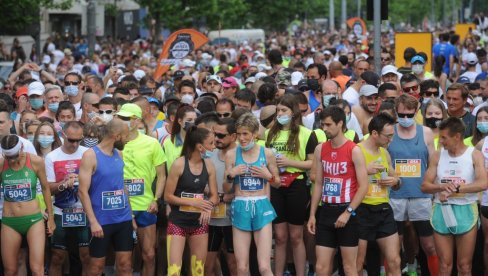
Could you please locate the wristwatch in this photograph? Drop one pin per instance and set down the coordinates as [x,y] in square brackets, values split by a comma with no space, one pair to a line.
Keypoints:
[351,211]
[230,179]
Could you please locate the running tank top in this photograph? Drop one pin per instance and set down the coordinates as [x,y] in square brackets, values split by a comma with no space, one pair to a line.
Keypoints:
[484,151]
[312,102]
[246,182]
[109,200]
[339,178]
[458,170]
[21,185]
[410,158]
[377,194]
[189,186]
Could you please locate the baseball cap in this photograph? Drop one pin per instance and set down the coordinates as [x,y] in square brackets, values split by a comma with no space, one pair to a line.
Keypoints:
[481,76]
[463,80]
[177,75]
[67,51]
[139,74]
[327,52]
[21,91]
[471,58]
[250,80]
[388,69]
[260,75]
[417,58]
[152,100]
[264,67]
[296,77]
[302,85]
[215,78]
[46,59]
[187,63]
[171,98]
[283,78]
[229,82]
[35,88]
[130,110]
[368,90]
[371,78]
[145,90]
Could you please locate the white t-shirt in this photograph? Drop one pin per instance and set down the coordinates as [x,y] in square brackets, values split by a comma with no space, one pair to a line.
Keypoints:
[470,75]
[78,110]
[58,165]
[354,125]
[351,96]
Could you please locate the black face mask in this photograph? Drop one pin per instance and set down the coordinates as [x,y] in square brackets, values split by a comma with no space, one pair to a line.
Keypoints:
[313,84]
[119,145]
[432,122]
[265,123]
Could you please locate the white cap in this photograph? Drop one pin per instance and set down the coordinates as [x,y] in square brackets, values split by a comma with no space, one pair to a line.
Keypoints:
[263,67]
[388,69]
[46,59]
[250,80]
[260,75]
[327,52]
[296,77]
[139,74]
[35,88]
[368,90]
[206,56]
[187,63]
[471,58]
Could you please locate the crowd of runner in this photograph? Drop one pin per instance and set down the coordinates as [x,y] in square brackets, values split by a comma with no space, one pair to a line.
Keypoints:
[290,156]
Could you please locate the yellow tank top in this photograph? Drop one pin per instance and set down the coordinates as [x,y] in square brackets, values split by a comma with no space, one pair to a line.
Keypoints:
[376,194]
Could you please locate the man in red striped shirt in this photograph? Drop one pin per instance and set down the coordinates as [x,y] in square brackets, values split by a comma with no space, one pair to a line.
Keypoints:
[341,184]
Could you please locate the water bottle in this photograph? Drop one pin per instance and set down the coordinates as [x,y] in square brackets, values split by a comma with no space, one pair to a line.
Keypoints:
[384,173]
[277,154]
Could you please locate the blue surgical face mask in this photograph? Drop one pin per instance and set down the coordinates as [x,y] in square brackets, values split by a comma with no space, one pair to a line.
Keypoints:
[61,124]
[53,107]
[248,147]
[30,138]
[406,122]
[45,140]
[482,127]
[348,118]
[326,99]
[36,103]
[206,154]
[284,119]
[71,90]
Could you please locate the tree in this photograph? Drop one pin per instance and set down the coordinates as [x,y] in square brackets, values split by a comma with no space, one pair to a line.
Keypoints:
[17,16]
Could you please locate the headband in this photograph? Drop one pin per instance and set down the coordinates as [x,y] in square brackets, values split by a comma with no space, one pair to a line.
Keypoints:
[13,151]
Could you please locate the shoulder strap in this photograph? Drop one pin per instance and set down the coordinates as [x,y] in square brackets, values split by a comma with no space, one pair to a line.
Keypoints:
[28,163]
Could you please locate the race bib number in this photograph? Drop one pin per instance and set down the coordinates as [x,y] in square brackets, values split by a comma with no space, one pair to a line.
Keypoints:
[18,192]
[375,190]
[191,196]
[73,217]
[332,187]
[455,180]
[249,183]
[219,211]
[135,187]
[408,167]
[113,200]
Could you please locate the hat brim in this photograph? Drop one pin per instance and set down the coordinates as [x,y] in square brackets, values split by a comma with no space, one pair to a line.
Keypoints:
[127,114]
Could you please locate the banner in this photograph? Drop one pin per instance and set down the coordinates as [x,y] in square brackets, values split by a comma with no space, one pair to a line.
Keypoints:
[464,30]
[178,46]
[358,27]
[421,42]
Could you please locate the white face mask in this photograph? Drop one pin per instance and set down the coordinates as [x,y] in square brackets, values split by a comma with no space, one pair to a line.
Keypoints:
[417,68]
[107,117]
[187,99]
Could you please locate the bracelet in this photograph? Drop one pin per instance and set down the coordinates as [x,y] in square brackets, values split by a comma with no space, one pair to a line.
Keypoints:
[272,179]
[63,185]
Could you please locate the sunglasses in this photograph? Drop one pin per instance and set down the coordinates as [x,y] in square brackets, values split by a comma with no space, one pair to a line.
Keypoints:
[101,112]
[221,135]
[385,59]
[74,141]
[411,88]
[224,115]
[67,83]
[430,93]
[407,115]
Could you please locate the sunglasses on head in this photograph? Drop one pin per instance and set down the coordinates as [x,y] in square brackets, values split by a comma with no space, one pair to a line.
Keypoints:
[67,83]
[411,88]
[408,115]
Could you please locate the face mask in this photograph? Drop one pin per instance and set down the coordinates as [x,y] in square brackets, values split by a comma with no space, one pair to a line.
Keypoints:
[425,100]
[187,99]
[53,107]
[61,124]
[71,90]
[206,154]
[90,142]
[60,77]
[432,122]
[313,84]
[92,115]
[249,146]
[45,140]
[105,61]
[107,117]
[482,127]
[326,99]
[348,118]
[141,131]
[119,145]
[36,103]
[406,122]
[187,126]
[30,138]
[477,100]
[417,68]
[284,120]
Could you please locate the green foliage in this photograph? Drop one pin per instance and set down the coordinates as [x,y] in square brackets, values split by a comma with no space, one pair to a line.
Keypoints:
[17,16]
